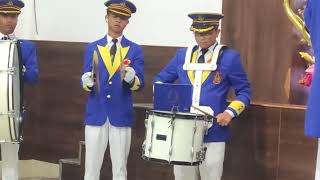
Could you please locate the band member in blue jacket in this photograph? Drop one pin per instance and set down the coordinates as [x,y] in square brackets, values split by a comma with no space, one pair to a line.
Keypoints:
[113,68]
[9,12]
[312,122]
[210,90]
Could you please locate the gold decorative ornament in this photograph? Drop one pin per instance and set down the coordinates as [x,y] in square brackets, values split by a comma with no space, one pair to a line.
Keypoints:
[297,21]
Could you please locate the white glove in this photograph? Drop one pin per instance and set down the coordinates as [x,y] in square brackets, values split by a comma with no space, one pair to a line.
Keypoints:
[87,79]
[205,110]
[130,73]
[24,69]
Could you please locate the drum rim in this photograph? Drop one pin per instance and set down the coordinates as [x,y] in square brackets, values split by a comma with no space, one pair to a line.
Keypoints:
[182,115]
[161,161]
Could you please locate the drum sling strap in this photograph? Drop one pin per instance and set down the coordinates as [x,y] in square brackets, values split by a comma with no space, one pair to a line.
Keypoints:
[199,68]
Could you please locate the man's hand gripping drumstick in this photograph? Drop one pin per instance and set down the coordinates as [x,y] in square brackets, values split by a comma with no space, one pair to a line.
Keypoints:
[223,119]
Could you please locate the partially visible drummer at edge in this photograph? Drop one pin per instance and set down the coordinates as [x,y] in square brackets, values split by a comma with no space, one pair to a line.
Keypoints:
[214,87]
[9,13]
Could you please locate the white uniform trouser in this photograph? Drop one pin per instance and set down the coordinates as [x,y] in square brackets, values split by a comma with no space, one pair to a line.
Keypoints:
[10,160]
[96,140]
[210,169]
[317,173]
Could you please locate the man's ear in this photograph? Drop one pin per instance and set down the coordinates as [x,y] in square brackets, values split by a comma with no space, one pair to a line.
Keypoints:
[217,31]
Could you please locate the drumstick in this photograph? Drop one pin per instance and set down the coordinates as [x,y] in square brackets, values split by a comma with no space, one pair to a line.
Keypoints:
[208,114]
[195,107]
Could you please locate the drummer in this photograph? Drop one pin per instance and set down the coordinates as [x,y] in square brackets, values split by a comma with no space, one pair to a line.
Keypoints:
[9,13]
[214,87]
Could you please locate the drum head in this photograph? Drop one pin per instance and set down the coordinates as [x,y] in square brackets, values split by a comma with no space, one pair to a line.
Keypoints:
[180,115]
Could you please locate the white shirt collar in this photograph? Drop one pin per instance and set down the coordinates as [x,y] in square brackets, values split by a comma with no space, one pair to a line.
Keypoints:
[210,49]
[10,36]
[2,35]
[208,56]
[109,38]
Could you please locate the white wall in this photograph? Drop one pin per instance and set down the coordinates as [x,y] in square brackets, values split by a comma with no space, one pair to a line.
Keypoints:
[159,23]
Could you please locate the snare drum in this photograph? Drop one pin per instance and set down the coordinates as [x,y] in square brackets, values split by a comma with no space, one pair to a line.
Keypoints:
[10,93]
[175,138]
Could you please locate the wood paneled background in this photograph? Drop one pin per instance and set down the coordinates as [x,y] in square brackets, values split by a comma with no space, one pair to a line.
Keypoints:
[267,139]
[263,34]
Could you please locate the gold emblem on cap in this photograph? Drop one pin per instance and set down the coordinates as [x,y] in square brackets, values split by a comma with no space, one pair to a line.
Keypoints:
[200,18]
[217,78]
[10,3]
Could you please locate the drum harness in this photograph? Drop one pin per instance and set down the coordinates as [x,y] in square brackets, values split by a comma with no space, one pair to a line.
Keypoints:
[198,70]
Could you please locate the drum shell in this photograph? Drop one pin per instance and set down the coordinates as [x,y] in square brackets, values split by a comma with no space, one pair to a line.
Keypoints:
[174,138]
[10,92]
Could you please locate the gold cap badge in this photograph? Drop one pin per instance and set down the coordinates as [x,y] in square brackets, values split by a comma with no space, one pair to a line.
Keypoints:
[10,3]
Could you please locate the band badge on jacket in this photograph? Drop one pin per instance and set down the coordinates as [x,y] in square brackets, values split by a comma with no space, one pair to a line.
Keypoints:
[125,63]
[217,78]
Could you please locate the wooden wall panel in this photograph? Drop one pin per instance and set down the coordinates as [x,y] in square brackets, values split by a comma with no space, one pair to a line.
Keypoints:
[264,36]
[56,104]
[252,150]
[295,149]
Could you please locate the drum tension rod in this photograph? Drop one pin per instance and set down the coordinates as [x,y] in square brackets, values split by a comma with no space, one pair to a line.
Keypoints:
[172,119]
[10,114]
[10,70]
